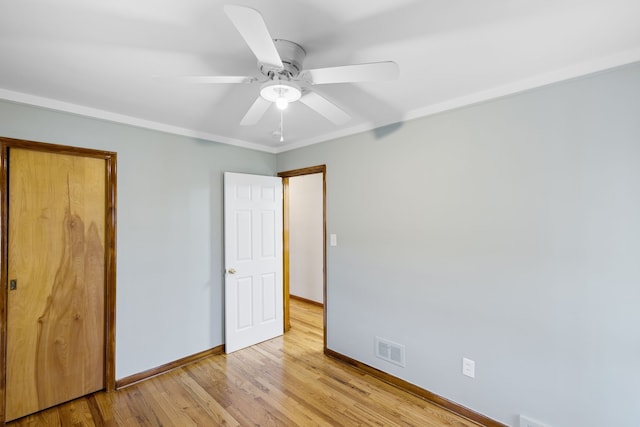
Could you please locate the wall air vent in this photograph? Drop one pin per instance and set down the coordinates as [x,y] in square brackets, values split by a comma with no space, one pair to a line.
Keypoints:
[390,351]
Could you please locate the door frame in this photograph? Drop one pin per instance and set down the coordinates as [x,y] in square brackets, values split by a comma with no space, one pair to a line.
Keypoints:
[110,251]
[285,242]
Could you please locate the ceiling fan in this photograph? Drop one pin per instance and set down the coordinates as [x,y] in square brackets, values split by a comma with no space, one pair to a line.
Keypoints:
[280,61]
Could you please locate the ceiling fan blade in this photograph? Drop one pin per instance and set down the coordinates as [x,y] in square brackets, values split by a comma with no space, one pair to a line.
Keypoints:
[325,108]
[255,113]
[253,30]
[219,79]
[372,71]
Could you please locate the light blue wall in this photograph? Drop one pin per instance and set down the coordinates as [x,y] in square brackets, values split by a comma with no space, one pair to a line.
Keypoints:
[170,238]
[507,232]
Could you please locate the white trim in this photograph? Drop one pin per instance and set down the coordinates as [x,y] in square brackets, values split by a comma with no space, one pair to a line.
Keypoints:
[575,71]
[563,74]
[52,104]
[567,73]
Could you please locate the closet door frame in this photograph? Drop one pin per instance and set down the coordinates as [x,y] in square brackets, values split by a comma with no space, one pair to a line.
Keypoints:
[6,144]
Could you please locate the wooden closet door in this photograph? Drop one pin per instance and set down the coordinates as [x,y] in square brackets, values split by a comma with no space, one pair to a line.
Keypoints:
[56,256]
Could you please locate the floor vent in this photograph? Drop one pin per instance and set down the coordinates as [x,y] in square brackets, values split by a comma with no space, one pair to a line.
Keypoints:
[390,351]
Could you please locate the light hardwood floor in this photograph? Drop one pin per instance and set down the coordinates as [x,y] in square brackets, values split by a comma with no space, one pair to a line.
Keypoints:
[286,381]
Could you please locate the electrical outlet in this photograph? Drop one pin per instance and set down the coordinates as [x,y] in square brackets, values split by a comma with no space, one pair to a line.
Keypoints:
[468,367]
[530,422]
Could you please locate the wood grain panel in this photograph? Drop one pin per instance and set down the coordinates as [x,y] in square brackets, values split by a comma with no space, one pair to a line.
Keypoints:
[56,317]
[286,255]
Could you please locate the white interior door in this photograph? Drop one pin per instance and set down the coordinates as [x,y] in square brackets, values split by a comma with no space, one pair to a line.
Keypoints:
[253,259]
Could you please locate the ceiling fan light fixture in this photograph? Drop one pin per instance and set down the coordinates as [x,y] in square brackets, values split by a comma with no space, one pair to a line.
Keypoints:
[280,61]
[282,103]
[281,93]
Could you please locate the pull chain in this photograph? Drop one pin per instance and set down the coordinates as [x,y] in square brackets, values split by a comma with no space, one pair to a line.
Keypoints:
[281,125]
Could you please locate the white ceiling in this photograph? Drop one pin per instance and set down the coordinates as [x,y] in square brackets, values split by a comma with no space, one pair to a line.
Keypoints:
[119,59]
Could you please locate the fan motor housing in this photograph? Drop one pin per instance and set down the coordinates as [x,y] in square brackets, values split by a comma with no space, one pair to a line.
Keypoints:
[292,56]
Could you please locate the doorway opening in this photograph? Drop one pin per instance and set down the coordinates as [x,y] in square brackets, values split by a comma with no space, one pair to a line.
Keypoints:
[295,232]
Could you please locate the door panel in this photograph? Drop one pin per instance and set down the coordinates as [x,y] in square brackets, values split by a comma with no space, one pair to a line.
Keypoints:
[56,314]
[253,259]
[269,302]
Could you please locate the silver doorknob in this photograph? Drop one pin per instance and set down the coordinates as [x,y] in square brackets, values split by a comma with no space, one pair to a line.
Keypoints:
[231,271]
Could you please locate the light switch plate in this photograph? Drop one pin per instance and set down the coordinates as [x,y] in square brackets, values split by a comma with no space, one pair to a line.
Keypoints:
[333,240]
